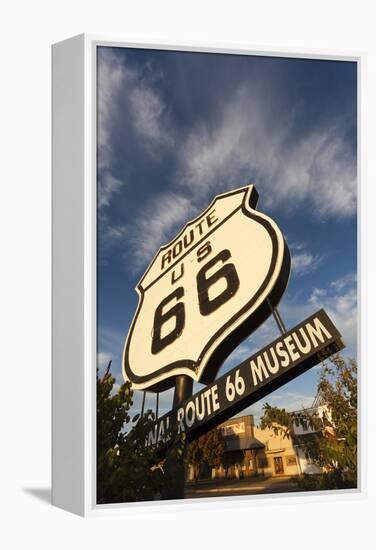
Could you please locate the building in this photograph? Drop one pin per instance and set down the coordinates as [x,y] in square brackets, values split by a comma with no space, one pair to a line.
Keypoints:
[242,448]
[318,408]
[262,452]
[252,451]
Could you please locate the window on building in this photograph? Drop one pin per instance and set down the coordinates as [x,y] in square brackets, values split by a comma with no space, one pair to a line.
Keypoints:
[290,460]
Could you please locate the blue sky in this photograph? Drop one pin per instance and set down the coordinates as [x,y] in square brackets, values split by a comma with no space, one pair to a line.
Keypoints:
[177,128]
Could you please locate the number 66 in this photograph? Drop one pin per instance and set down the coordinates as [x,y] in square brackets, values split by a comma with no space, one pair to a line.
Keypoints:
[206,305]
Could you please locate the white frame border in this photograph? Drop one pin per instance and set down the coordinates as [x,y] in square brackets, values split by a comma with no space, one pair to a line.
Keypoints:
[88,465]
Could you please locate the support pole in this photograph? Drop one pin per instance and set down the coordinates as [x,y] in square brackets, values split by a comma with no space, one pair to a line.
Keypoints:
[157,406]
[183,389]
[277,318]
[175,466]
[143,404]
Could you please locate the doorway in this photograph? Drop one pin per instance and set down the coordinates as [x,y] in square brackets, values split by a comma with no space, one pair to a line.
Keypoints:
[278,465]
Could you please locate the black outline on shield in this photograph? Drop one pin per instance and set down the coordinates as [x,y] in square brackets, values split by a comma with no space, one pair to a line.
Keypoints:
[249,325]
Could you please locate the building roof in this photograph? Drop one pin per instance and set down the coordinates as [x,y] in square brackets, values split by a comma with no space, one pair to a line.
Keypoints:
[235,443]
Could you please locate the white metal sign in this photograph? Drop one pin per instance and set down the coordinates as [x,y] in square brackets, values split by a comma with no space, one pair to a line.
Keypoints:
[205,291]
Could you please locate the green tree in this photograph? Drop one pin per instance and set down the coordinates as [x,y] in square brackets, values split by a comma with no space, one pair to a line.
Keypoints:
[195,456]
[332,443]
[112,414]
[213,448]
[128,470]
[209,449]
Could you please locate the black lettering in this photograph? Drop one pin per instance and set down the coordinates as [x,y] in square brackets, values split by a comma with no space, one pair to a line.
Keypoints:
[178,247]
[191,237]
[204,251]
[227,272]
[166,258]
[178,311]
[199,225]
[211,219]
[175,277]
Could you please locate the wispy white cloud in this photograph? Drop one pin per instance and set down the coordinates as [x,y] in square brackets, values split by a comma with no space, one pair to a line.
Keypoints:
[219,155]
[107,187]
[303,261]
[125,95]
[150,118]
[343,282]
[110,233]
[112,76]
[244,144]
[317,296]
[153,228]
[342,308]
[339,299]
[116,233]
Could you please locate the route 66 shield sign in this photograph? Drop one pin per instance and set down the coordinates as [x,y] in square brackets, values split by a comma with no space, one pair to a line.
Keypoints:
[205,291]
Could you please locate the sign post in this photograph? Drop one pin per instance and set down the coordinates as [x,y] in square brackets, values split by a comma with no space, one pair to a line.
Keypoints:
[183,391]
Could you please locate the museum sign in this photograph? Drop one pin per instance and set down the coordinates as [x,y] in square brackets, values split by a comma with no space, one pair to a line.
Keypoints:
[202,295]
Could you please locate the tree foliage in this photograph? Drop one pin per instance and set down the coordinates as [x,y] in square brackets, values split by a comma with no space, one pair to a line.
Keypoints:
[332,441]
[195,456]
[209,449]
[128,470]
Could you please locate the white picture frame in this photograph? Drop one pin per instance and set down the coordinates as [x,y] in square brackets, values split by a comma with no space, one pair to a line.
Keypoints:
[74,273]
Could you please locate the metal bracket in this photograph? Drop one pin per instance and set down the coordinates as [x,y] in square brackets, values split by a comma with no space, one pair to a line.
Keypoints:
[277,318]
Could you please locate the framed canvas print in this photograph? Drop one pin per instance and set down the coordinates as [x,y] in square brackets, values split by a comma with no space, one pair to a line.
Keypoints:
[205,275]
